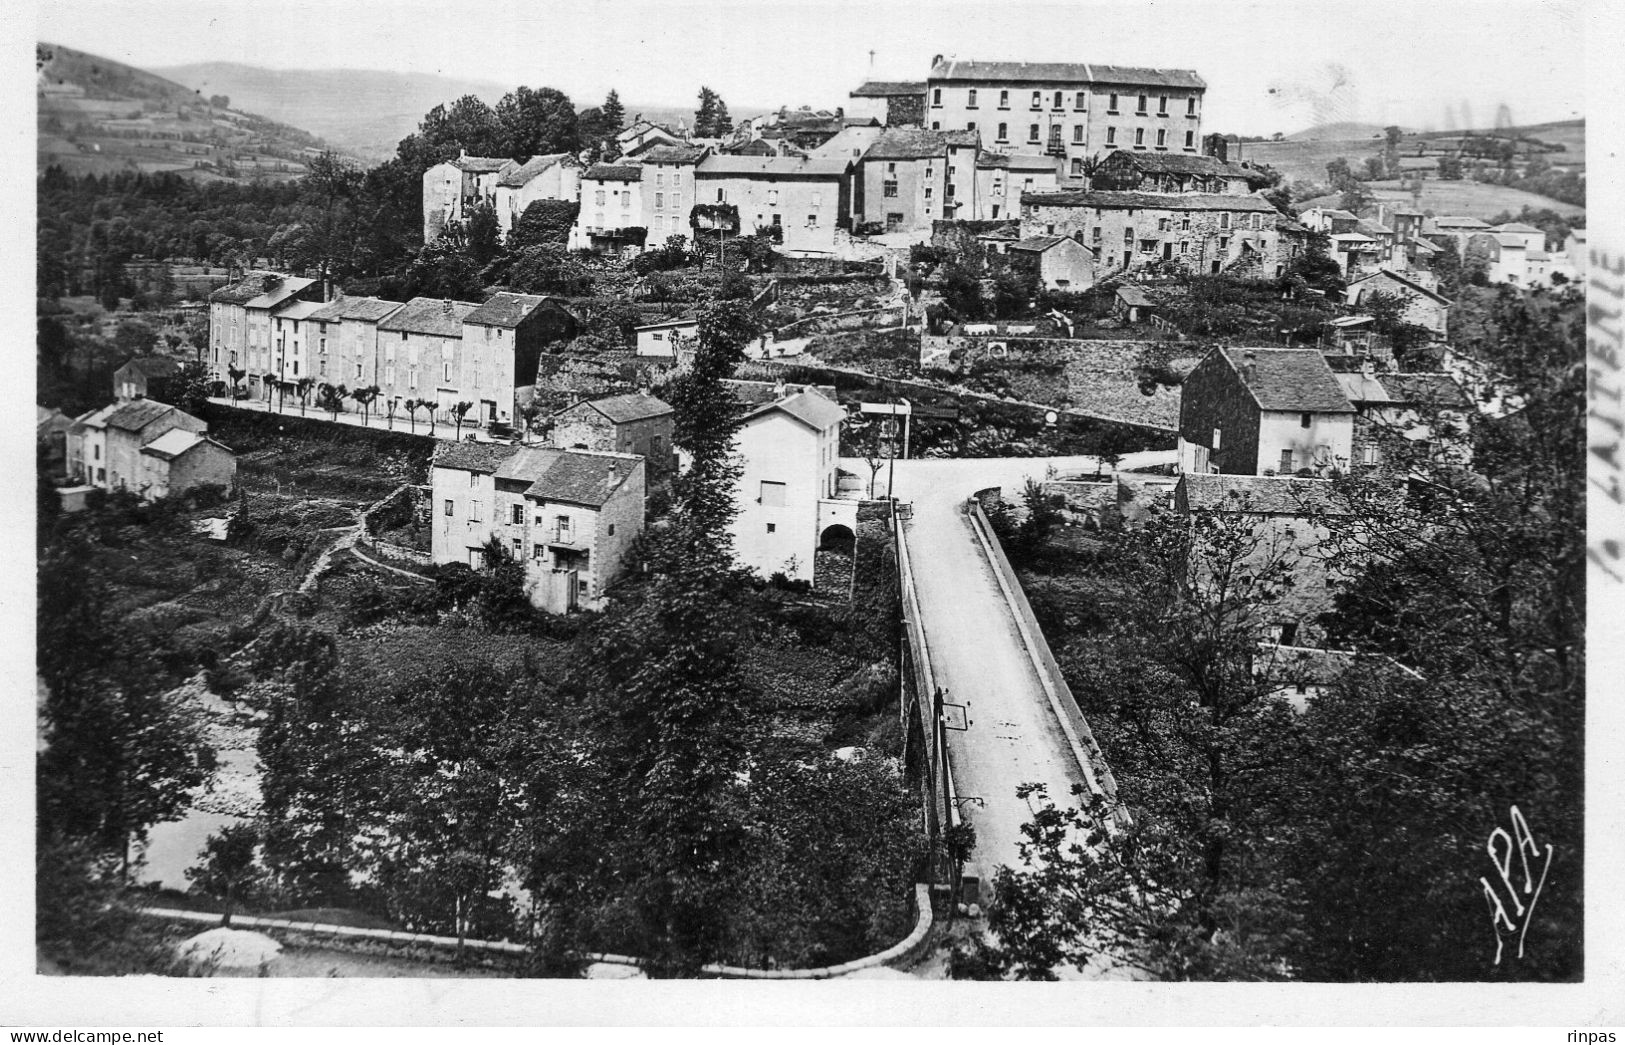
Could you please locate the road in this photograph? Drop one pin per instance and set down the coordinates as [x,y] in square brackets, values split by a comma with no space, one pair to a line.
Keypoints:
[978,654]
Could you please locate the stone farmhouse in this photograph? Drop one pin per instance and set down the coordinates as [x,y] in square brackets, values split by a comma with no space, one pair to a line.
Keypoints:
[1208,233]
[148,447]
[638,423]
[556,176]
[454,188]
[1264,411]
[568,515]
[145,376]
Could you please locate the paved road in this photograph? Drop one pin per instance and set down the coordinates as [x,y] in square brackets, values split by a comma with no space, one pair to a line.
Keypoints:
[977,653]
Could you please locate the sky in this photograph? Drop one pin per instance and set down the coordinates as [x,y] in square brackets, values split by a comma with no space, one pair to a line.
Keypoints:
[1270,66]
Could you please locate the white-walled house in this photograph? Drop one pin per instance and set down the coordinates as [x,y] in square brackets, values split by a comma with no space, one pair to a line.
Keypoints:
[568,515]
[555,176]
[663,338]
[1264,411]
[790,448]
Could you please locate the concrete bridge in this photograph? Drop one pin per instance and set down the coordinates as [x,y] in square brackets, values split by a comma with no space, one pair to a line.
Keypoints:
[971,644]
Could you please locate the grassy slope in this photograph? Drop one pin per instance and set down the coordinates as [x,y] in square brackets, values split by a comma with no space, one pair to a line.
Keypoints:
[1468,198]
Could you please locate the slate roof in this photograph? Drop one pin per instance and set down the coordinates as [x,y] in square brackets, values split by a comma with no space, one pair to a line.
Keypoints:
[1514,226]
[889,88]
[736,165]
[587,479]
[521,175]
[504,309]
[1136,297]
[290,286]
[1260,494]
[175,442]
[1148,200]
[810,408]
[252,286]
[755,393]
[429,316]
[916,143]
[1406,281]
[94,418]
[369,310]
[1459,222]
[480,164]
[613,172]
[472,457]
[1362,388]
[300,310]
[1435,390]
[154,366]
[1289,379]
[675,154]
[137,414]
[1182,163]
[1068,72]
[625,408]
[1037,244]
[1332,212]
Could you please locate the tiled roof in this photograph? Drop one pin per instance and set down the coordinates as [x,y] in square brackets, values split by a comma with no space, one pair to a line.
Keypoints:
[154,366]
[1065,72]
[1510,239]
[250,287]
[521,175]
[1373,228]
[755,393]
[1289,379]
[1514,226]
[1459,222]
[1131,295]
[1360,387]
[1180,163]
[625,408]
[675,154]
[1037,244]
[1434,390]
[613,172]
[1331,212]
[1406,281]
[1261,494]
[889,88]
[810,408]
[173,443]
[1148,200]
[504,309]
[429,316]
[472,457]
[299,310]
[480,164]
[280,294]
[369,310]
[94,418]
[137,414]
[907,143]
[770,166]
[587,479]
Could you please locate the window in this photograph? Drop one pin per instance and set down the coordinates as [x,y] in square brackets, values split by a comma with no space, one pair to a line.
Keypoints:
[676,178]
[1141,108]
[475,511]
[1139,137]
[1049,230]
[97,454]
[1004,132]
[1038,99]
[1258,222]
[473,480]
[1184,246]
[561,526]
[971,101]
[1111,135]
[1096,234]
[928,192]
[1077,134]
[1162,139]
[1058,103]
[612,529]
[676,202]
[936,125]
[537,551]
[936,96]
[1128,239]
[894,221]
[446,376]
[1077,101]
[772,197]
[1190,106]
[812,221]
[817,199]
[1190,139]
[1185,223]
[1304,419]
[1224,220]
[1032,132]
[598,197]
[517,516]
[772,495]
[1224,244]
[778,219]
[1111,105]
[296,368]
[1286,462]
[1162,224]
[720,197]
[1162,105]
[518,548]
[1369,454]
[358,371]
[1004,99]
[660,200]
[971,126]
[660,179]
[891,168]
[1077,167]
[889,188]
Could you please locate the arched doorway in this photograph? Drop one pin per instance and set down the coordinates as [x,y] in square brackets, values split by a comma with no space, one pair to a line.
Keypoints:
[832,562]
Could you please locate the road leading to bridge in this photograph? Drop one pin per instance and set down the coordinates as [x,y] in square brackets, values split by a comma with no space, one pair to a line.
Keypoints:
[977,652]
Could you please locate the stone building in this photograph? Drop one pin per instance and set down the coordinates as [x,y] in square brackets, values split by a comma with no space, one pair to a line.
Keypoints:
[807,200]
[568,515]
[1058,262]
[145,376]
[454,188]
[240,316]
[105,446]
[1424,306]
[669,192]
[895,103]
[347,340]
[638,423]
[790,447]
[1070,110]
[556,176]
[1175,172]
[910,178]
[611,217]
[1001,179]
[1258,411]
[1205,232]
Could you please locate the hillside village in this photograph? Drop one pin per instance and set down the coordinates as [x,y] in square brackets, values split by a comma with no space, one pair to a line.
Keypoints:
[1020,336]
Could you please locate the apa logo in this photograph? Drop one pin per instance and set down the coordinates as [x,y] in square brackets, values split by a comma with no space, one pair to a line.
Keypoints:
[1512,904]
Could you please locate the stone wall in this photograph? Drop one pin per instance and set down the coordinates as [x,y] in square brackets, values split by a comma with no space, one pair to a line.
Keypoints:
[1091,502]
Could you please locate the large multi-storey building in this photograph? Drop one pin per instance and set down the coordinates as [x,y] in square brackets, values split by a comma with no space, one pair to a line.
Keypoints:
[240,322]
[911,177]
[805,199]
[347,340]
[1207,233]
[556,176]
[789,447]
[454,188]
[668,189]
[611,205]
[1071,110]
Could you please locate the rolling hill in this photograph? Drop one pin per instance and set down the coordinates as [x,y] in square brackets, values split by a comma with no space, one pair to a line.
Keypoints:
[98,116]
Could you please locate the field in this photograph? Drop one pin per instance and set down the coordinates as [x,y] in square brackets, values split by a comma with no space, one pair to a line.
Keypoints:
[1306,160]
[1467,198]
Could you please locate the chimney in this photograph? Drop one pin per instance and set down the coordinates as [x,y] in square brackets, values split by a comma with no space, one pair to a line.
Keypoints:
[445,305]
[936,61]
[1368,367]
[1249,365]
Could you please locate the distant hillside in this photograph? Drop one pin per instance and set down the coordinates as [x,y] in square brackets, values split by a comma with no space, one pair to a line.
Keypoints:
[369,111]
[364,111]
[98,116]
[1337,132]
